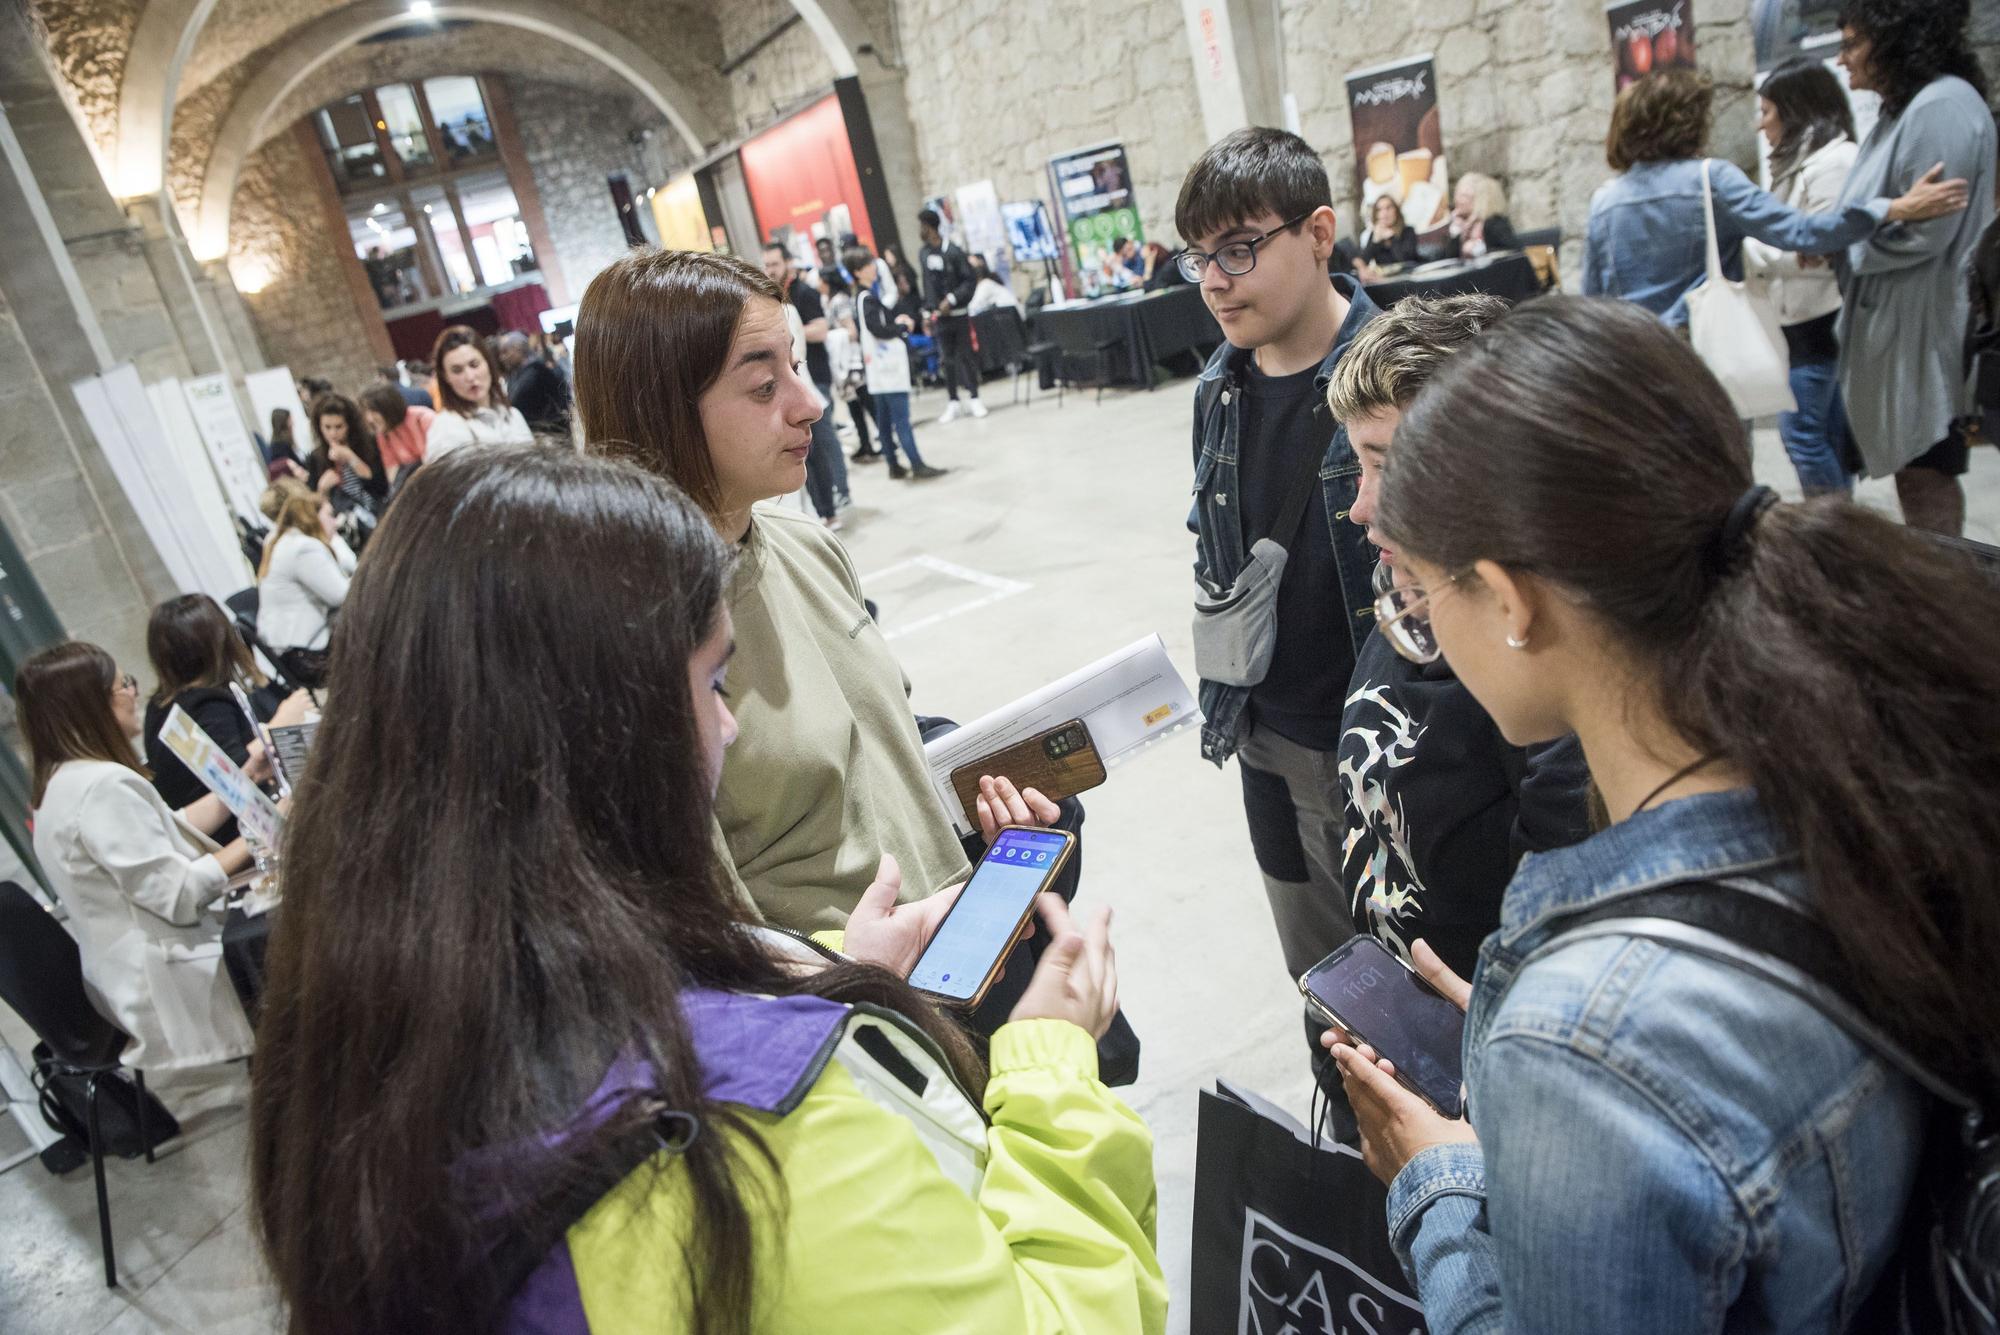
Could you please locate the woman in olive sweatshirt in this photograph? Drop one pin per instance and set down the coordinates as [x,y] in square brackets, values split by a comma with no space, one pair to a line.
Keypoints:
[684,365]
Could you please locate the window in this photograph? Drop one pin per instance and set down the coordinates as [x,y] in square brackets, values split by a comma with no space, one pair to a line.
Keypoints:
[387,247]
[499,238]
[459,112]
[405,127]
[348,137]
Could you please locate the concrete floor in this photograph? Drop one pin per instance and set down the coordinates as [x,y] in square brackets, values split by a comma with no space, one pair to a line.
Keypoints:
[1084,507]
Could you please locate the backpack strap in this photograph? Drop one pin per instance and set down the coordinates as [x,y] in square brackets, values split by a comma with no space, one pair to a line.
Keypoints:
[1752,928]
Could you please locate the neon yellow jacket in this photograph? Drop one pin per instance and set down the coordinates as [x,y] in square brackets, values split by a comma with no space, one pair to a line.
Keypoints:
[1052,1229]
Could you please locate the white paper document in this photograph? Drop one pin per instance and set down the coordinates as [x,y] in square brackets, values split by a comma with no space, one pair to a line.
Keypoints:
[256,815]
[1128,701]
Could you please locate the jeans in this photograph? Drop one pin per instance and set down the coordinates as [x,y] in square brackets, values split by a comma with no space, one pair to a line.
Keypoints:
[820,484]
[956,359]
[1812,434]
[836,456]
[892,423]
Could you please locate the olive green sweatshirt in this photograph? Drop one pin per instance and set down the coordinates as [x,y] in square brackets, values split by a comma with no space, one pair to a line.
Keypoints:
[827,773]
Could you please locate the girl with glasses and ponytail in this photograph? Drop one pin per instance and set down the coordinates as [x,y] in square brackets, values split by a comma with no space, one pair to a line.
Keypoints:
[1791,707]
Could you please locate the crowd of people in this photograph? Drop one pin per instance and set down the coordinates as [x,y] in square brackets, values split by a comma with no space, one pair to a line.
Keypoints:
[605,1016]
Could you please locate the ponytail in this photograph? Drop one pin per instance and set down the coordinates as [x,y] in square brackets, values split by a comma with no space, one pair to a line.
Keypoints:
[1846,664]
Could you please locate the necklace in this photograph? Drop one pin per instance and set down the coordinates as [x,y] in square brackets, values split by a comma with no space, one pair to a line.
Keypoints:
[1673,779]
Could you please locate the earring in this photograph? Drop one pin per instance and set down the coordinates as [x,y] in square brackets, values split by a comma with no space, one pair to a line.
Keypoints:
[1513,643]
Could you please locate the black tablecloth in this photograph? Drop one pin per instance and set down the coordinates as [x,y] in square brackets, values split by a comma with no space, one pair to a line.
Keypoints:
[1510,277]
[243,941]
[1132,331]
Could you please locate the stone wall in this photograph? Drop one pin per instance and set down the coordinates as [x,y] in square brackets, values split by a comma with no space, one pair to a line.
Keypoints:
[1524,89]
[285,258]
[792,67]
[996,99]
[86,41]
[576,137]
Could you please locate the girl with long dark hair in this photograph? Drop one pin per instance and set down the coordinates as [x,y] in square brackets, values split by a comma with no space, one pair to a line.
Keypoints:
[344,458]
[1907,304]
[526,1060]
[1804,116]
[1800,700]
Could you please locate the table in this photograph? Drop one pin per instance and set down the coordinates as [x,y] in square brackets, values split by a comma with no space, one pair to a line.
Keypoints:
[1510,276]
[244,940]
[1132,331]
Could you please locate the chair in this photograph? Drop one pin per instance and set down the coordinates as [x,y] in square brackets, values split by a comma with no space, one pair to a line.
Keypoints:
[243,605]
[41,978]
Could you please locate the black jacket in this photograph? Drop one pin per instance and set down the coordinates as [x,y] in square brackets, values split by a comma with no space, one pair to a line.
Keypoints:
[215,711]
[947,273]
[538,390]
[1398,249]
[1499,234]
[1440,807]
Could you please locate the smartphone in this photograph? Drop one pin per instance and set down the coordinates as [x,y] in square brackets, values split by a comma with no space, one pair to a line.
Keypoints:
[292,744]
[970,947]
[1366,990]
[1059,763]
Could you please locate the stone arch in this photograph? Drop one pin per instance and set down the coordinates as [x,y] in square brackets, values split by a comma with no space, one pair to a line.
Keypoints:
[160,48]
[840,31]
[312,45]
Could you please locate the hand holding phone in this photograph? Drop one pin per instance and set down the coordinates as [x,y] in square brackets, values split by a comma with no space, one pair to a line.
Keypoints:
[1379,1001]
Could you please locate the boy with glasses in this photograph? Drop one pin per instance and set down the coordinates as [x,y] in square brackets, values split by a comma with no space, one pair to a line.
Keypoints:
[1258,212]
[1440,807]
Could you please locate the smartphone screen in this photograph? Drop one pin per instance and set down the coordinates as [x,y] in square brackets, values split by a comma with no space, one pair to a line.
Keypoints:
[1381,1002]
[982,925]
[264,736]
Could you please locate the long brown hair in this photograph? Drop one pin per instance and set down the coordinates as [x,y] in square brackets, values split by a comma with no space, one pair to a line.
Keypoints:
[450,340]
[1846,664]
[359,438]
[296,511]
[456,969]
[62,696]
[192,642]
[652,334]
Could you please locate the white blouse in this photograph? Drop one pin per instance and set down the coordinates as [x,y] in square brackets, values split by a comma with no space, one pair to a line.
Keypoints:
[298,595]
[489,426]
[134,877]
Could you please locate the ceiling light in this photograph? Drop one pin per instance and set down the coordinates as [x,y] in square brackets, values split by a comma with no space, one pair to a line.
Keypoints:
[380,207]
[652,190]
[421,8]
[427,208]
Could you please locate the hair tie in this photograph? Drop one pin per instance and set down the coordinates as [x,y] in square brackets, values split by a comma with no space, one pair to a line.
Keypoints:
[1734,535]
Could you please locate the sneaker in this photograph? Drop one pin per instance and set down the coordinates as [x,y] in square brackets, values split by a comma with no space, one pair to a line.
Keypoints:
[924,471]
[865,456]
[832,523]
[843,502]
[977,409]
[897,472]
[950,412]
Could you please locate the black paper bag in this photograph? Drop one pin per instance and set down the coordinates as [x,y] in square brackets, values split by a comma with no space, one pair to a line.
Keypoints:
[1288,1239]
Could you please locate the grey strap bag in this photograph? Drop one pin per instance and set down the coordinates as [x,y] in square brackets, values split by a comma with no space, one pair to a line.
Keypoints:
[1236,629]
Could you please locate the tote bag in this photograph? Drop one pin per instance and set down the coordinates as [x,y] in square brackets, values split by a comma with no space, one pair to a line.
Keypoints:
[1736,332]
[1288,1236]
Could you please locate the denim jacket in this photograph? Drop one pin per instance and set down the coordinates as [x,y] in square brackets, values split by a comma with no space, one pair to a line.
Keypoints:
[1667,1143]
[1220,547]
[1648,241]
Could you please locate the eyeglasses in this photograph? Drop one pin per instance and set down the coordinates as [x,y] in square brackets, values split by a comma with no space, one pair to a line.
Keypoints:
[1401,614]
[125,682]
[1237,258]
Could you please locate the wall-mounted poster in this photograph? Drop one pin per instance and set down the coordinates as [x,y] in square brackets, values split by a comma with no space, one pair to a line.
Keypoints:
[799,174]
[1094,191]
[982,231]
[1648,35]
[678,213]
[1028,231]
[1399,142]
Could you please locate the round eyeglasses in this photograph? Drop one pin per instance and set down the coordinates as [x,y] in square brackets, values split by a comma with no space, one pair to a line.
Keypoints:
[1237,258]
[1403,615]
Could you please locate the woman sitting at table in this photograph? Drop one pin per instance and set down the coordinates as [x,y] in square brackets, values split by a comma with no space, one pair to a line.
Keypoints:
[1479,223]
[1388,240]
[133,872]
[302,580]
[990,292]
[526,1060]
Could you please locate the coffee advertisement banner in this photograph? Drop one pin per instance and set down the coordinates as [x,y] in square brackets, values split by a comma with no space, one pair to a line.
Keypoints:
[1399,142]
[1648,35]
